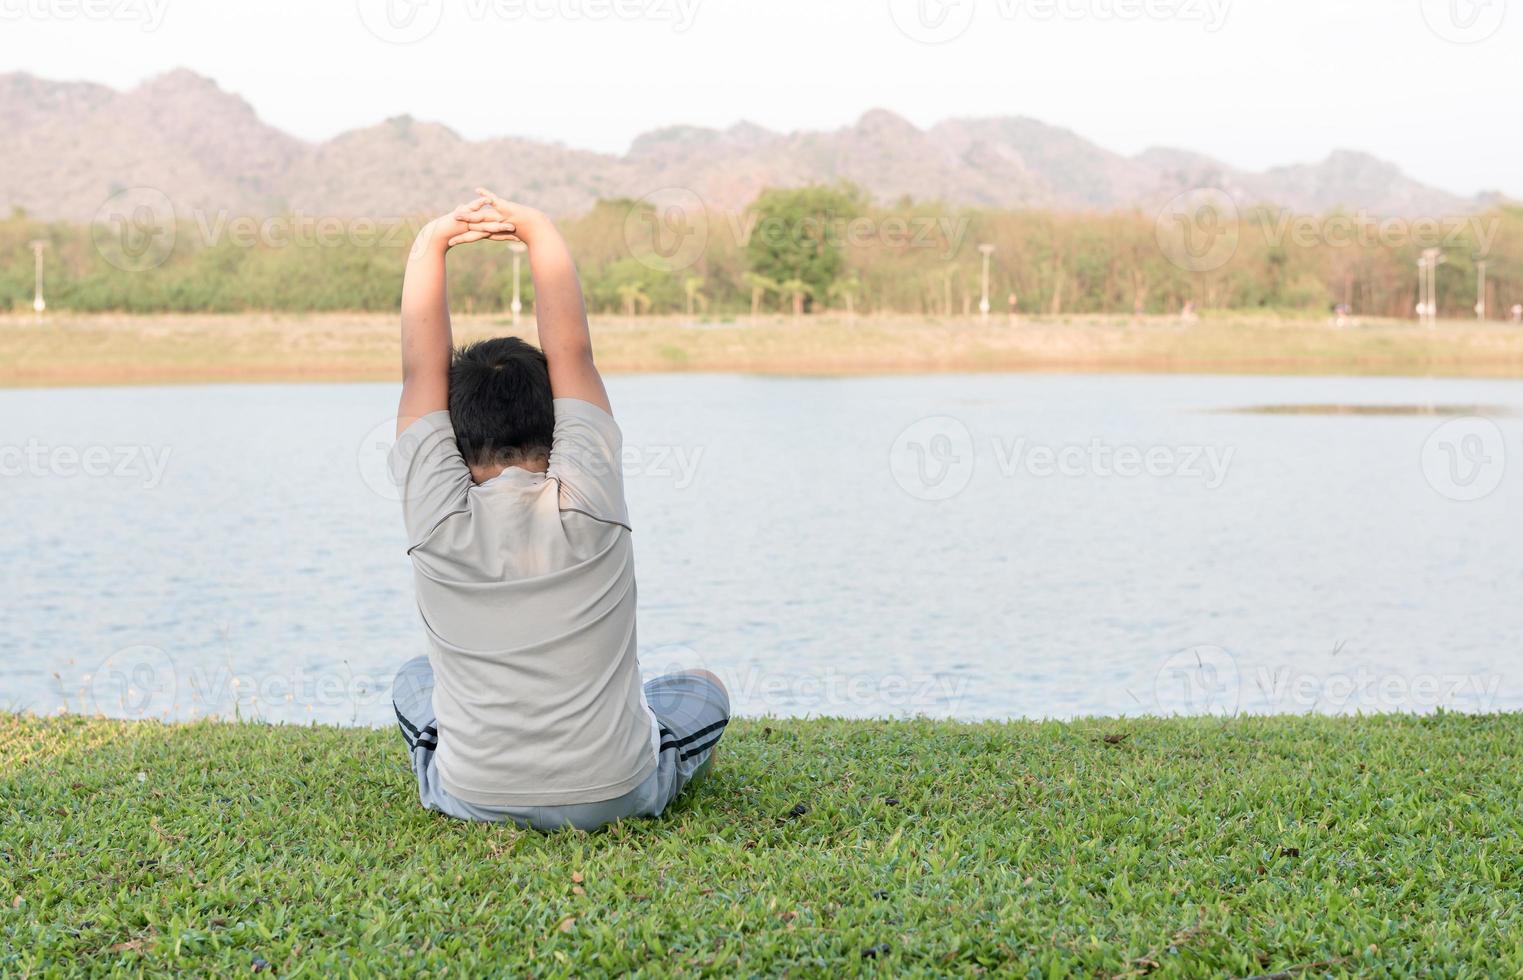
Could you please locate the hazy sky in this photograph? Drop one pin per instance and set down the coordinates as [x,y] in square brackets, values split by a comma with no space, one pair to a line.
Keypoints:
[1433,85]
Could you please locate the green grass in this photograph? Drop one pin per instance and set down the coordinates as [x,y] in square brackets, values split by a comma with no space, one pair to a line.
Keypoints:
[1317,846]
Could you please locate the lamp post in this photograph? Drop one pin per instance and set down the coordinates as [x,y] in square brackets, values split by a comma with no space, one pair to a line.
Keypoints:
[518,249]
[983,303]
[1422,290]
[1434,258]
[38,303]
[1427,268]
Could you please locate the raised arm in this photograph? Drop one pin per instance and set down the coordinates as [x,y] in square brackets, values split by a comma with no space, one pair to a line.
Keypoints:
[426,338]
[558,307]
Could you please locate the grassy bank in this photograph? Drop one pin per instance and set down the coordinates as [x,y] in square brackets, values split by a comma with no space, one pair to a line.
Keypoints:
[1303,846]
[106,349]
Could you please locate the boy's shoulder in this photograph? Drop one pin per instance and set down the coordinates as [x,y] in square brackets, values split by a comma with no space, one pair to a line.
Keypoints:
[587,461]
[585,473]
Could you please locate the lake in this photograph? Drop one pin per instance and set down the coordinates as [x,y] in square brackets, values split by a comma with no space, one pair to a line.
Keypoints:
[983,546]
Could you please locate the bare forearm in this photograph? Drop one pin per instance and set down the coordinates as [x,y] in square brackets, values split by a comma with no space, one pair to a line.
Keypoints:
[559,308]
[426,338]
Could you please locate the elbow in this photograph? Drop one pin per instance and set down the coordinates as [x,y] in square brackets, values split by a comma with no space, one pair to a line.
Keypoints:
[415,369]
[575,351]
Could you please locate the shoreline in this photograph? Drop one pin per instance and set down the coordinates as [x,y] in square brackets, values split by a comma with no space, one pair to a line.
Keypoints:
[120,349]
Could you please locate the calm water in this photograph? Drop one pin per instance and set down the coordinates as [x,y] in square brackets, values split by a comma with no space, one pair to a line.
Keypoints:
[970,546]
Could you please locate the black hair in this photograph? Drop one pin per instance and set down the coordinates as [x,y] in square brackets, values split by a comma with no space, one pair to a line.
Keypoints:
[500,403]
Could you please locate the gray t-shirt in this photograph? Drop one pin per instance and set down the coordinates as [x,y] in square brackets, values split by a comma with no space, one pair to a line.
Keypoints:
[526,587]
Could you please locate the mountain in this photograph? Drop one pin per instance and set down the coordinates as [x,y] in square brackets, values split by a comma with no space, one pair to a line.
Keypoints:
[72,145]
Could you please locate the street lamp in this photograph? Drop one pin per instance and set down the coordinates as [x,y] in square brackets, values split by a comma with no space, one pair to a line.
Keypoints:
[1422,290]
[983,303]
[1427,283]
[38,303]
[518,249]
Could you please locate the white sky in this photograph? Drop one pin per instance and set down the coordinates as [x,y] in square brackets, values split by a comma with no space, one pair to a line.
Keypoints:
[1278,81]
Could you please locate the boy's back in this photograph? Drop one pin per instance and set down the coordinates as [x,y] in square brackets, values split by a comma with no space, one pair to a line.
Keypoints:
[529,705]
[526,589]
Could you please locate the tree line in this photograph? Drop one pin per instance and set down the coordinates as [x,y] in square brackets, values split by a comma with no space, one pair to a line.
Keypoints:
[799,251]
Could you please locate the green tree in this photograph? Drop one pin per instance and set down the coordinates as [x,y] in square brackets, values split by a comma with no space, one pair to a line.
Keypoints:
[799,234]
[800,291]
[845,290]
[615,286]
[692,286]
[634,299]
[1080,263]
[760,286]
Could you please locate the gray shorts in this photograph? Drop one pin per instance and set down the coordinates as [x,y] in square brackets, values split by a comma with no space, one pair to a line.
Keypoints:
[692,710]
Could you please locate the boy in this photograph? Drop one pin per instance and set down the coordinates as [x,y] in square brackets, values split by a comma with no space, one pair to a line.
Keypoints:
[528,706]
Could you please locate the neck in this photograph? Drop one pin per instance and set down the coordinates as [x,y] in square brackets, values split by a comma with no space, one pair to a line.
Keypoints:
[481,474]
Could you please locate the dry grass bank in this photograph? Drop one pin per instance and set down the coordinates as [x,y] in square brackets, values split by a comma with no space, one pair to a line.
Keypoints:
[122,349]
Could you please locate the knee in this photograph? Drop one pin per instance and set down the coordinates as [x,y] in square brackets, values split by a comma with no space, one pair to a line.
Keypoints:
[415,673]
[713,678]
[709,676]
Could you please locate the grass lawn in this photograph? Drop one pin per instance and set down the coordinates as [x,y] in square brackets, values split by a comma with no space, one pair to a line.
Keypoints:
[1303,846]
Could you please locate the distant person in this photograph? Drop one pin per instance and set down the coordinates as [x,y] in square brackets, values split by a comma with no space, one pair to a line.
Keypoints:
[1014,303]
[1517,313]
[528,706]
[1188,314]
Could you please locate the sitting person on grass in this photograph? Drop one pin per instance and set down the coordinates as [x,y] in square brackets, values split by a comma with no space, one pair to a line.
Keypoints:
[528,706]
